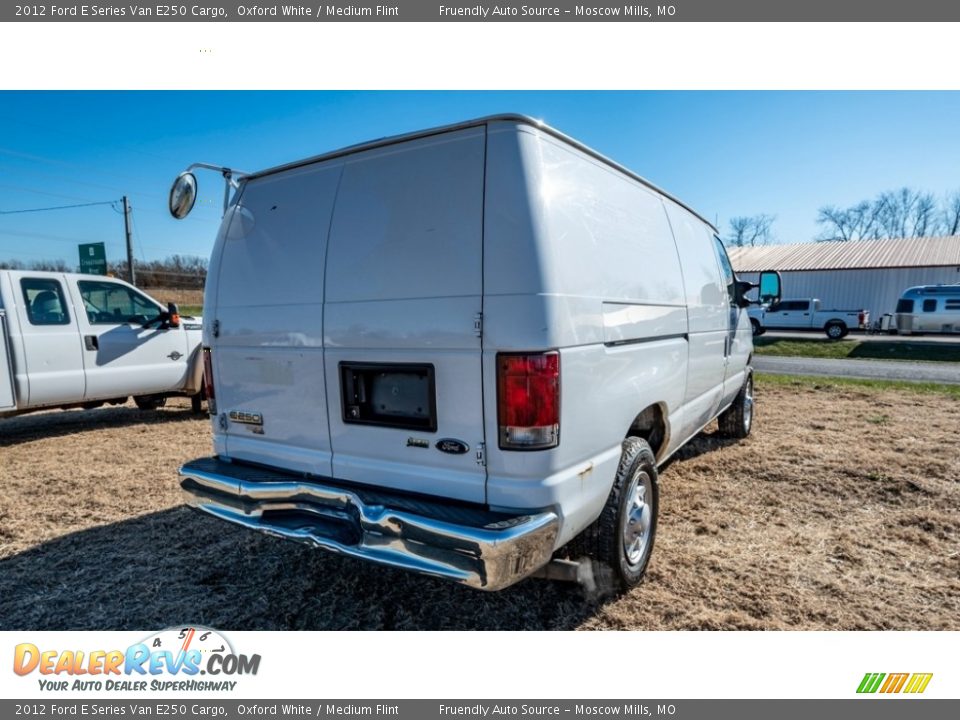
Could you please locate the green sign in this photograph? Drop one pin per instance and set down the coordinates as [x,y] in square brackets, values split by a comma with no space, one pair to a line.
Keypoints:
[93,259]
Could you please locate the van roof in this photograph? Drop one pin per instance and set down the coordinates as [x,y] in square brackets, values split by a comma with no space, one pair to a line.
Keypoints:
[505,117]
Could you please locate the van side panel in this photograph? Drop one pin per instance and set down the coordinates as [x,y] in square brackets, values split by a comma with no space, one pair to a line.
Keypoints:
[580,258]
[708,312]
[269,306]
[404,288]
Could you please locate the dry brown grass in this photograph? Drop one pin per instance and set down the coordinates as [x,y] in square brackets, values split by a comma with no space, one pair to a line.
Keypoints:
[180,296]
[842,511]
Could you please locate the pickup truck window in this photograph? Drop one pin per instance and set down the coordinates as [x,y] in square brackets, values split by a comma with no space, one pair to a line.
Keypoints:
[792,305]
[930,305]
[44,301]
[109,303]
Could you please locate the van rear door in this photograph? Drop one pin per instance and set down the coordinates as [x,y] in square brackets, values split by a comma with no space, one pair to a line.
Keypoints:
[404,288]
[266,324]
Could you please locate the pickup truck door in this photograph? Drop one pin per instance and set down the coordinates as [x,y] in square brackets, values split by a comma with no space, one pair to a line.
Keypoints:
[8,400]
[50,337]
[120,356]
[790,314]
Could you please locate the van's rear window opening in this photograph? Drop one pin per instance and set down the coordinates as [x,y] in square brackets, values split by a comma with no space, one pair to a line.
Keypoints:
[389,395]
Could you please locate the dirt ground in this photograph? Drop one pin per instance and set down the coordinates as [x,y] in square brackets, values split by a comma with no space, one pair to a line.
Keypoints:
[841,511]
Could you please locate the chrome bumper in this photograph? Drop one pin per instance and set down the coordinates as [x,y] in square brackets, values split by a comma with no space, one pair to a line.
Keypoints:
[485,552]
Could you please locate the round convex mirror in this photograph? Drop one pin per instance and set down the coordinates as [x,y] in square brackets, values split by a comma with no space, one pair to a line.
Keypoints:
[183,195]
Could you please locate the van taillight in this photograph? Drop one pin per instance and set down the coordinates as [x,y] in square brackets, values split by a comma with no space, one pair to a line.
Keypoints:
[528,400]
[208,382]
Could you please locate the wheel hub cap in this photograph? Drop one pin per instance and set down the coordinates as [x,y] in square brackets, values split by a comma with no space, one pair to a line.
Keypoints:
[637,520]
[748,405]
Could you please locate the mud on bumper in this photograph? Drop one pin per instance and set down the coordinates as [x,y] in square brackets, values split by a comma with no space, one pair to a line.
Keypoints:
[470,545]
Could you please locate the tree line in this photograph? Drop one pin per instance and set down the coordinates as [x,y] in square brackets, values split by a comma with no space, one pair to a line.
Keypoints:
[899,213]
[176,271]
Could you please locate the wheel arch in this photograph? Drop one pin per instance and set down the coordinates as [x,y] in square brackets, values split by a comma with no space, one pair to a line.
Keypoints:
[651,424]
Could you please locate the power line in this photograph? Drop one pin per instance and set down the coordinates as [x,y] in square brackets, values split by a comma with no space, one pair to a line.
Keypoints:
[57,207]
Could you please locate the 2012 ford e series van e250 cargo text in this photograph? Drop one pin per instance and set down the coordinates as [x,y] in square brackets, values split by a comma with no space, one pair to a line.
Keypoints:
[463,351]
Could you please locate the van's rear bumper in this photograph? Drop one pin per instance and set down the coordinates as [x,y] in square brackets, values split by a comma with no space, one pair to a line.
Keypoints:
[473,546]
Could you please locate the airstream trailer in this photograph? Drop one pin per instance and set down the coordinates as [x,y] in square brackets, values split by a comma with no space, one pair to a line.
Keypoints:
[929,309]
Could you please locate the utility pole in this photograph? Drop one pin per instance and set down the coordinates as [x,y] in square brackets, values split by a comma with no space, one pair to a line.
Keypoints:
[126,225]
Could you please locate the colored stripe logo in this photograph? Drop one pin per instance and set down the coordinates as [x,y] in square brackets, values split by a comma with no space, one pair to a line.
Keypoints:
[913,683]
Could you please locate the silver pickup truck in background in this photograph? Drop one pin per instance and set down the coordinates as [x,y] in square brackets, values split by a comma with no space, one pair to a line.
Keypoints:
[806,314]
[69,340]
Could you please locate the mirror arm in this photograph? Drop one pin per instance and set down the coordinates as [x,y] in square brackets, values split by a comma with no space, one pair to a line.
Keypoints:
[231,179]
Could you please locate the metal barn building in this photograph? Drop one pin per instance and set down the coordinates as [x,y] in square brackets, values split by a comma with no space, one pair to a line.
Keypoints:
[868,274]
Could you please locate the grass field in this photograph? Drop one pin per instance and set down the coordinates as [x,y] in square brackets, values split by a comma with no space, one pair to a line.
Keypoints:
[872,350]
[840,511]
[190,302]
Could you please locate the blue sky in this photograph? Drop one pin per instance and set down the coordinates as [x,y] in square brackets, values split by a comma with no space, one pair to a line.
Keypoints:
[723,153]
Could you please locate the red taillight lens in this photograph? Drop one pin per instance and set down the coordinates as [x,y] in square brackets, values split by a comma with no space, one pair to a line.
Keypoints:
[208,381]
[528,401]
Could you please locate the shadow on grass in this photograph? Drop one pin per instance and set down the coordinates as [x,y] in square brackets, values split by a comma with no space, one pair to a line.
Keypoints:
[178,566]
[59,423]
[879,350]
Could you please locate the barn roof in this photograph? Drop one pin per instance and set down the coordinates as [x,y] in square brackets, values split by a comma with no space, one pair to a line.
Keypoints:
[898,253]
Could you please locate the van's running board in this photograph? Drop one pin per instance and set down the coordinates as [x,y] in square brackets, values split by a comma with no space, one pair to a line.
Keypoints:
[482,549]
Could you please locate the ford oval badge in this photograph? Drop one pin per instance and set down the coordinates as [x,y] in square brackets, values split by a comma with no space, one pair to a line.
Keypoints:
[454,447]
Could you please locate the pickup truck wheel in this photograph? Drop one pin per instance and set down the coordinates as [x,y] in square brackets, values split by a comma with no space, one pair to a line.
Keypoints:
[622,537]
[736,420]
[835,330]
[150,402]
[757,327]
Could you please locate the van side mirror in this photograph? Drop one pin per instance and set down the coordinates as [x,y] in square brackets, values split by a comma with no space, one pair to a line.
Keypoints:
[770,287]
[183,195]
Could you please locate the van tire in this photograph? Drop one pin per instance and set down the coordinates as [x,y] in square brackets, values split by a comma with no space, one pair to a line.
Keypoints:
[150,402]
[836,330]
[737,420]
[605,540]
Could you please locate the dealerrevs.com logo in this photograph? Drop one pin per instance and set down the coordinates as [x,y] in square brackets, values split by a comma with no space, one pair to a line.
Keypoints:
[170,660]
[910,683]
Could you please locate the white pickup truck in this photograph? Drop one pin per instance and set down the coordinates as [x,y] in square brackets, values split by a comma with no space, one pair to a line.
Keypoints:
[70,340]
[806,314]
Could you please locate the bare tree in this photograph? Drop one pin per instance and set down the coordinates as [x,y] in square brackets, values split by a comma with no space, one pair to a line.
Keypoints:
[857,222]
[893,214]
[750,231]
[951,214]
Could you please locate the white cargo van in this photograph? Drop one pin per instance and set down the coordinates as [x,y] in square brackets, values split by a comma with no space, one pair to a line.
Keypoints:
[70,340]
[463,351]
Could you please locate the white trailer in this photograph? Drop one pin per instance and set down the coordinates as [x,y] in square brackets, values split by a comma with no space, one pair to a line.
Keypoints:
[929,309]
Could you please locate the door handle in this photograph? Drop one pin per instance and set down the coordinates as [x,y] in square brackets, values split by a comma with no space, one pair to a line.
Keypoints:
[91,342]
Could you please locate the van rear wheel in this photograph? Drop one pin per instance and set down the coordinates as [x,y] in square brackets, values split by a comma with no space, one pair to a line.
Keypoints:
[622,537]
